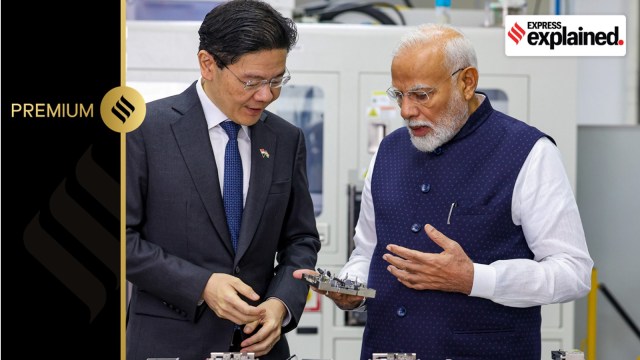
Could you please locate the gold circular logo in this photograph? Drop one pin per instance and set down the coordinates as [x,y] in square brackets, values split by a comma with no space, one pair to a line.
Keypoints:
[123,109]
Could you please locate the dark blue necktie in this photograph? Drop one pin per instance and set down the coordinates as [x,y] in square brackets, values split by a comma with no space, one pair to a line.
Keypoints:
[232,188]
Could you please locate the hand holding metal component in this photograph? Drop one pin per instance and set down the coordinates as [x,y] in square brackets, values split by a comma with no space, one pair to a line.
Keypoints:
[325,281]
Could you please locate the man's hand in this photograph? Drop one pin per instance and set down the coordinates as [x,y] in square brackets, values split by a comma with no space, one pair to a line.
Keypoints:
[343,301]
[270,328]
[221,295]
[451,270]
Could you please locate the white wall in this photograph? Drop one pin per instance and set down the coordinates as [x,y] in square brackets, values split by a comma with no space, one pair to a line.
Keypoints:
[608,86]
[608,196]
[607,183]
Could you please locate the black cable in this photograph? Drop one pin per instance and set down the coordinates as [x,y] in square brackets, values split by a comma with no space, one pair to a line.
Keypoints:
[408,3]
[394,8]
[619,308]
[367,9]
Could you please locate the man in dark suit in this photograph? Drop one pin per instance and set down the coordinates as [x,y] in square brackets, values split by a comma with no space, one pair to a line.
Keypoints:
[201,285]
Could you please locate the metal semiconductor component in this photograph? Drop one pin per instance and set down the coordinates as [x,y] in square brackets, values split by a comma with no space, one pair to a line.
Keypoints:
[394,356]
[567,355]
[231,356]
[327,282]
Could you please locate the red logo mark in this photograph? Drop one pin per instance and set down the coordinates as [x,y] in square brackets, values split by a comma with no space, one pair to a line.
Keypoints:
[516,33]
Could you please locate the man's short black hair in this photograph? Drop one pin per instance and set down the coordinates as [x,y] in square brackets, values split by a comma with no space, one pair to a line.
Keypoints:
[239,27]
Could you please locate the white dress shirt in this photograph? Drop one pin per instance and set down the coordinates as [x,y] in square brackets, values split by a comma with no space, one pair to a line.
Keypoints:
[543,203]
[219,139]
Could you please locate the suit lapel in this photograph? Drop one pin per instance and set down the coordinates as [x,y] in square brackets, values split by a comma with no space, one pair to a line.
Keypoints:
[192,136]
[262,138]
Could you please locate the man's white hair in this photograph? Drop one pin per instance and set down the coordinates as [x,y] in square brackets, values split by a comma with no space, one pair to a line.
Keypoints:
[458,50]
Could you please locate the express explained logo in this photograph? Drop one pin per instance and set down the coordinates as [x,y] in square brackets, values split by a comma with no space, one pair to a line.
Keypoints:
[516,33]
[565,35]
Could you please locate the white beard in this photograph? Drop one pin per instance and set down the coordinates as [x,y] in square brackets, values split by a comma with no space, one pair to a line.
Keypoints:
[448,125]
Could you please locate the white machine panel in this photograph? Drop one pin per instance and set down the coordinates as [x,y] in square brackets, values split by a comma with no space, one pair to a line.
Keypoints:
[324,106]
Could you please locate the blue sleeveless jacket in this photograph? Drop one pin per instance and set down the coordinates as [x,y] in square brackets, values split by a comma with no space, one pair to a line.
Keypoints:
[464,189]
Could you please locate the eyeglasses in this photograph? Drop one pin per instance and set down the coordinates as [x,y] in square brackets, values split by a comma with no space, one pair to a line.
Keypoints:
[255,85]
[418,96]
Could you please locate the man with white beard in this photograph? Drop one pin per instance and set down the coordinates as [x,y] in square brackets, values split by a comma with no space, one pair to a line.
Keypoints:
[468,223]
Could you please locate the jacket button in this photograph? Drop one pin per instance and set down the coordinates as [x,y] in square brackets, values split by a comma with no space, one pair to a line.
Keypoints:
[237,270]
[425,188]
[415,228]
[401,312]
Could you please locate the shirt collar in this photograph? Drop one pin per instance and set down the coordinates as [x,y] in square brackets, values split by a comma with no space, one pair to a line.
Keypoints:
[212,114]
[477,118]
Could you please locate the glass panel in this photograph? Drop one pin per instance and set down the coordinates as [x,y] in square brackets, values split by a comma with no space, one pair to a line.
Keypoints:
[303,105]
[181,10]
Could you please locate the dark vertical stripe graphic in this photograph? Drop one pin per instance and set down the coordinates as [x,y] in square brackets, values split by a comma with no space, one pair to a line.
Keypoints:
[71,272]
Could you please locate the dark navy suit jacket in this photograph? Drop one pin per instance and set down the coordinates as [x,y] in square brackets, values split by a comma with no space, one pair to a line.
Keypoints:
[177,234]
